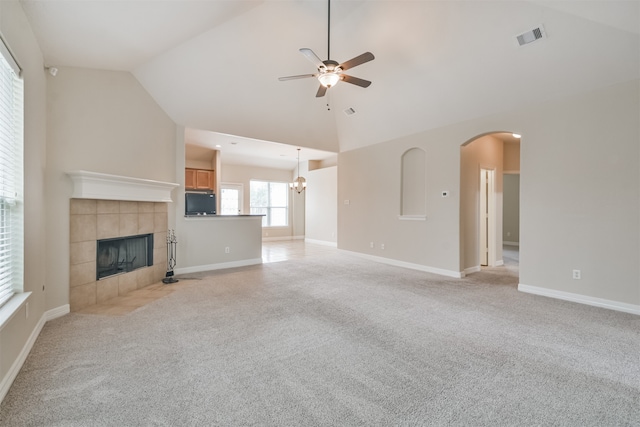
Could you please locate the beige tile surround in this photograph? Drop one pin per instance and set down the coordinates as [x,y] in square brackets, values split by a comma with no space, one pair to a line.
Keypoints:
[91,220]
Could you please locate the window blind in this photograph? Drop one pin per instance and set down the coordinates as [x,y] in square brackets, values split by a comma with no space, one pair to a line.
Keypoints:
[11,146]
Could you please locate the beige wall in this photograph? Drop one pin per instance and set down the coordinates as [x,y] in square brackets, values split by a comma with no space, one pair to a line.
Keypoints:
[369,184]
[511,158]
[15,334]
[100,121]
[571,217]
[322,205]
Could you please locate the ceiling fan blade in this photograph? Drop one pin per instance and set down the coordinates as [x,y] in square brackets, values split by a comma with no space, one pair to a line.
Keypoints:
[311,56]
[355,81]
[300,76]
[321,91]
[358,60]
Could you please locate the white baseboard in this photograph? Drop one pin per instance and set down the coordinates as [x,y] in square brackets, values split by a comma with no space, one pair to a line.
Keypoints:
[12,373]
[219,266]
[499,262]
[582,299]
[474,269]
[504,242]
[322,242]
[54,313]
[409,265]
[282,238]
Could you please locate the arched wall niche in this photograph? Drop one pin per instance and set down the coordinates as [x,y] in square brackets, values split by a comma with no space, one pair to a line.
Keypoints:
[413,183]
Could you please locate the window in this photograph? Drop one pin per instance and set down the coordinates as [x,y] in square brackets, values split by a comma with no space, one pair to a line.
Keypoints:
[272,200]
[10,175]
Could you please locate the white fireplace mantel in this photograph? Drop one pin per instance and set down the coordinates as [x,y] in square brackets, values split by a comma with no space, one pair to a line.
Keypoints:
[102,186]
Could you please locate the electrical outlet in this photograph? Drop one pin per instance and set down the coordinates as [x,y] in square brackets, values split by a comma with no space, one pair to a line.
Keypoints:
[382,246]
[227,250]
[577,274]
[371,245]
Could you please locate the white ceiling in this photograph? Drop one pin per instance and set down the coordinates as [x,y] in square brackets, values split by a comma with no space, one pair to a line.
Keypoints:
[214,65]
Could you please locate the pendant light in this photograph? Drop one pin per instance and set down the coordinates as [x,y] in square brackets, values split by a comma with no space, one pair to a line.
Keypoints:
[299,184]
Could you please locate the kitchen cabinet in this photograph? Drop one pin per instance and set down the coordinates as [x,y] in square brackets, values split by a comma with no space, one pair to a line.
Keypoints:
[199,179]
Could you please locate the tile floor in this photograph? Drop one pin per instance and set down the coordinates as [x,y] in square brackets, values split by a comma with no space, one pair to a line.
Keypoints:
[130,301]
[284,250]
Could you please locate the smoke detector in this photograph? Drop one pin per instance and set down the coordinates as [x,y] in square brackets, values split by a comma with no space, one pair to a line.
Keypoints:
[530,36]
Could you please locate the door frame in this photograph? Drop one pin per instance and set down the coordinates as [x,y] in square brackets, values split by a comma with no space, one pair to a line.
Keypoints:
[487,217]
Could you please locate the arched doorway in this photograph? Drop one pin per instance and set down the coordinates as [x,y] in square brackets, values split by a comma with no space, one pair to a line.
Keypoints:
[486,209]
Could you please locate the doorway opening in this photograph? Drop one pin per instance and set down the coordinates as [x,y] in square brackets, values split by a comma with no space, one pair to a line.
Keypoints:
[231,196]
[487,211]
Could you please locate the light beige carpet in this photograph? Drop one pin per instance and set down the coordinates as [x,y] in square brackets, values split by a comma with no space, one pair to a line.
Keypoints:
[335,341]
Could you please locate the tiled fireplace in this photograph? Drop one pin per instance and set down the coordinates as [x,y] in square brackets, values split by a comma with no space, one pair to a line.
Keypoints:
[107,207]
[93,220]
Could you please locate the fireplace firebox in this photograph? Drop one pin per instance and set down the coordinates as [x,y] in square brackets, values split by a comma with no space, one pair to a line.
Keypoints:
[123,254]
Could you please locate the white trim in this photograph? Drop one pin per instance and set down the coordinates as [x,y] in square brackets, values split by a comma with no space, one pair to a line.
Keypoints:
[11,307]
[277,239]
[282,238]
[474,269]
[504,242]
[412,217]
[499,263]
[8,56]
[409,265]
[322,242]
[581,299]
[219,266]
[102,186]
[54,313]
[12,373]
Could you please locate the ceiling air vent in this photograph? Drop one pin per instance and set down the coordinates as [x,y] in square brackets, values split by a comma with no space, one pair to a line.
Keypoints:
[531,35]
[349,111]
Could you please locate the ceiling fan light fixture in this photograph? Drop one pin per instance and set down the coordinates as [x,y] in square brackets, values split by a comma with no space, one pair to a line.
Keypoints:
[329,79]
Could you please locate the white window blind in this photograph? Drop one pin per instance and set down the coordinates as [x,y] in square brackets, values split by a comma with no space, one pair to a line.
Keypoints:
[11,147]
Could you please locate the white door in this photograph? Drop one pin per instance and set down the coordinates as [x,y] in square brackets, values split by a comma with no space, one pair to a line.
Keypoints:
[487,218]
[231,199]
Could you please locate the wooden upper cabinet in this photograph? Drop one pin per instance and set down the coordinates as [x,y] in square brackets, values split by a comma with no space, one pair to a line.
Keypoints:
[199,179]
[190,178]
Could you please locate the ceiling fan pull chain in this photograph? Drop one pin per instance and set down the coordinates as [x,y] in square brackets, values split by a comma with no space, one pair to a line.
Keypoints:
[329,30]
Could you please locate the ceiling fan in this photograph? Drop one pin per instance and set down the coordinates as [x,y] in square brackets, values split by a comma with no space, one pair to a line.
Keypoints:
[331,72]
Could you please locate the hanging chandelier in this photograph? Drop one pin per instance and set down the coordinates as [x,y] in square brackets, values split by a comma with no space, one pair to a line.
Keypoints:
[299,184]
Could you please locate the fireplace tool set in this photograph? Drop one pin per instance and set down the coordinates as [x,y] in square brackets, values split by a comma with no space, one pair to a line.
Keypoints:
[171,257]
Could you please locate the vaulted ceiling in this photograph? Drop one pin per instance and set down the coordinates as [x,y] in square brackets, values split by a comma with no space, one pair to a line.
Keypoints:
[214,65]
